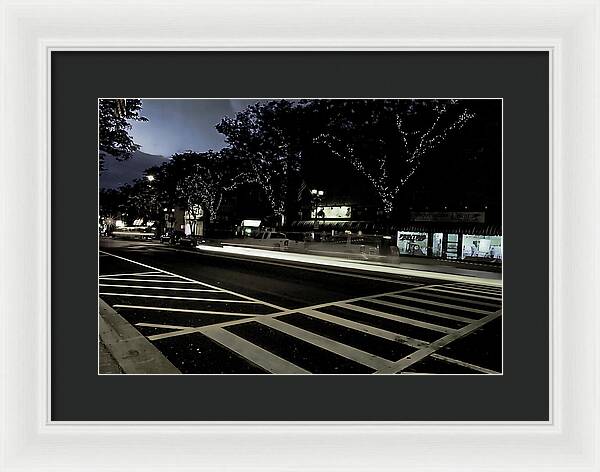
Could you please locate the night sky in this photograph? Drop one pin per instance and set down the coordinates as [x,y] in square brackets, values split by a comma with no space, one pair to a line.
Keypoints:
[178,125]
[174,125]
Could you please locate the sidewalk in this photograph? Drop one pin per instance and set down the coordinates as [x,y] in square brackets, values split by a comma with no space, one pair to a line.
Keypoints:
[123,349]
[391,265]
[106,362]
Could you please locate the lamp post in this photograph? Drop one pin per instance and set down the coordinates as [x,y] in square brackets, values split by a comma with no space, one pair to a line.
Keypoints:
[317,196]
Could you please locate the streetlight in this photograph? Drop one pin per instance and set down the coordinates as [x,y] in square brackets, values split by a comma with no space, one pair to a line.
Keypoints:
[317,196]
[150,178]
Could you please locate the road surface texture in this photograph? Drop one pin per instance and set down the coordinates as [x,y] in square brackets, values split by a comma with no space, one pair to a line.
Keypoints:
[212,313]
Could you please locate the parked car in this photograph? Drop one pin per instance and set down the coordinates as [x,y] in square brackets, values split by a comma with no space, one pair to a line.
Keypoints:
[178,238]
[171,236]
[188,240]
[271,239]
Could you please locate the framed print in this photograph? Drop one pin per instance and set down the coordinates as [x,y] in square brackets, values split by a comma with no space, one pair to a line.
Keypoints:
[318,193]
[284,298]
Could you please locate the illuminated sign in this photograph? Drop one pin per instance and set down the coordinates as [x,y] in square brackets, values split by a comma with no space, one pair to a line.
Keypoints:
[413,237]
[332,212]
[251,223]
[196,213]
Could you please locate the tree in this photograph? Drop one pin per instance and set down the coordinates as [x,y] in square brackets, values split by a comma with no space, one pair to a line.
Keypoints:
[388,141]
[203,179]
[111,202]
[114,116]
[141,200]
[265,138]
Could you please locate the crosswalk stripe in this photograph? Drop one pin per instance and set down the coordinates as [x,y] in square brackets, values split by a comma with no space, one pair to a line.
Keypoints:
[490,287]
[155,325]
[421,310]
[445,305]
[401,319]
[152,280]
[382,333]
[162,288]
[170,334]
[129,273]
[253,353]
[421,354]
[442,297]
[271,305]
[458,292]
[144,274]
[471,289]
[463,364]
[349,352]
[169,297]
[184,310]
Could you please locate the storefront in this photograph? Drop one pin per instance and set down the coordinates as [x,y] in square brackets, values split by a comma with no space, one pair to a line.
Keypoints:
[194,221]
[459,241]
[477,247]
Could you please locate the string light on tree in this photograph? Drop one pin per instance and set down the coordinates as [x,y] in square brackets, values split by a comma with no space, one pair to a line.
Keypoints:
[419,127]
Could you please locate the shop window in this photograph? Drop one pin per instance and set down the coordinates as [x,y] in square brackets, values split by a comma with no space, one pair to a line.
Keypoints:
[437,244]
[452,247]
[413,244]
[482,247]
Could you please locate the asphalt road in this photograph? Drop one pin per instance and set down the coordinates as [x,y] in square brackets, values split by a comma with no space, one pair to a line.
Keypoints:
[231,314]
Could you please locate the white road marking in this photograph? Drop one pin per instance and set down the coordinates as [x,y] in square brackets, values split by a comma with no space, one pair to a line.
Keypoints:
[154,325]
[184,310]
[253,353]
[445,305]
[421,310]
[412,342]
[169,297]
[349,352]
[474,289]
[364,328]
[305,310]
[458,292]
[401,319]
[163,288]
[188,330]
[129,273]
[151,280]
[147,274]
[421,354]
[441,297]
[470,285]
[468,365]
[195,281]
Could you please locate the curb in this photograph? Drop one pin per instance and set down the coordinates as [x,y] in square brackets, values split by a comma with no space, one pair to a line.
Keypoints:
[130,349]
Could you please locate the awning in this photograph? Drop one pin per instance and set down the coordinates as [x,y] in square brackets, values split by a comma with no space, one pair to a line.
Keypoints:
[307,225]
[451,228]
[424,227]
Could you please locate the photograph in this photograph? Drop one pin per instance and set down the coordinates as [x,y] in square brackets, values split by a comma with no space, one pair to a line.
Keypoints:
[332,236]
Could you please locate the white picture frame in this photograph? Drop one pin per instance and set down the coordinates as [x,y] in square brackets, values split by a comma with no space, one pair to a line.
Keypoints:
[567,29]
